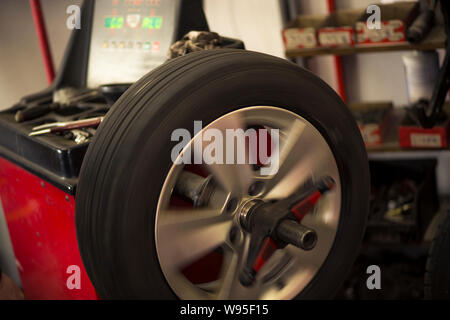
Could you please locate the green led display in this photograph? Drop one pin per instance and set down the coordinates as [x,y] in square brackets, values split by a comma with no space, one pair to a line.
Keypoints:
[114,22]
[152,23]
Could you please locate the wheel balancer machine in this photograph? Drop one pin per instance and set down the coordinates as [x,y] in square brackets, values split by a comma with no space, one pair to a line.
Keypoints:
[146,226]
[39,174]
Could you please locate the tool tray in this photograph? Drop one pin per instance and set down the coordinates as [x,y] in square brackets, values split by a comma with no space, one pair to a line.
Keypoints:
[52,156]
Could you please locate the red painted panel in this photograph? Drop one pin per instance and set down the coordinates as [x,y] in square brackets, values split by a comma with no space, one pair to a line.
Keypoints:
[41,222]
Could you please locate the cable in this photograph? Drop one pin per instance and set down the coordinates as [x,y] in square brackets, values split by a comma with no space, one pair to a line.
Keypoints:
[38,18]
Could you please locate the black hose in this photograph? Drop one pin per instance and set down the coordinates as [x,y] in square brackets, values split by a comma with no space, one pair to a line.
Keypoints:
[420,27]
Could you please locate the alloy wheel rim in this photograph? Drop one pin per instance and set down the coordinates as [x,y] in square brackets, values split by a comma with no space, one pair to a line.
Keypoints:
[185,235]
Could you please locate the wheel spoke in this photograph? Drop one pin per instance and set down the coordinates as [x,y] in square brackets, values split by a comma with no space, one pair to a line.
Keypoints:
[297,274]
[234,177]
[231,276]
[187,235]
[303,156]
[230,287]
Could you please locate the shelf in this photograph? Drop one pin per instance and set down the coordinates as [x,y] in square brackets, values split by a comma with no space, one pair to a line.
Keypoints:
[434,40]
[408,154]
[393,146]
[391,149]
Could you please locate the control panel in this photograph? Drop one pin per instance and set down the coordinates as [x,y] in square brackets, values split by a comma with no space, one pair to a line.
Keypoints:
[129,38]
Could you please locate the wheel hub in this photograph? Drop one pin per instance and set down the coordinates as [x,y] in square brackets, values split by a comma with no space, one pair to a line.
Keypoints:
[276,224]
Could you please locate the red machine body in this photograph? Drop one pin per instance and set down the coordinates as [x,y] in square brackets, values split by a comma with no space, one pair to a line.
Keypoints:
[39,174]
[41,223]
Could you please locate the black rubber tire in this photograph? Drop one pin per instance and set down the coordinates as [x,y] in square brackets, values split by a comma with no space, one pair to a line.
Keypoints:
[129,158]
[437,276]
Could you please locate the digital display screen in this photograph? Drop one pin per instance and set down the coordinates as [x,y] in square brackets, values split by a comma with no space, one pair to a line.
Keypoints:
[129,38]
[114,22]
[147,22]
[152,22]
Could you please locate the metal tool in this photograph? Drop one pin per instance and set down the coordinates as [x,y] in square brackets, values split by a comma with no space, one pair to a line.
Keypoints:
[274,225]
[70,96]
[34,112]
[61,98]
[65,126]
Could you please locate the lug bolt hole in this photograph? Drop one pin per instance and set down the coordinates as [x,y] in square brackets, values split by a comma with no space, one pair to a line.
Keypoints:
[256,188]
[234,235]
[232,205]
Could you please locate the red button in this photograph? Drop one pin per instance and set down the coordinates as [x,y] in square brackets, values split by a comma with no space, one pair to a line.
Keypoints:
[156,46]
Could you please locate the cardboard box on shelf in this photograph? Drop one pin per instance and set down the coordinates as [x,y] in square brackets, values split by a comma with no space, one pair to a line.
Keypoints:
[302,32]
[313,31]
[395,20]
[347,28]
[412,135]
[338,28]
[373,120]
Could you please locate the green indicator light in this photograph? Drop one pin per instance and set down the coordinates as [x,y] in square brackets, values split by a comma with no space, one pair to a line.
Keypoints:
[114,22]
[120,23]
[108,22]
[152,23]
[158,22]
[146,23]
